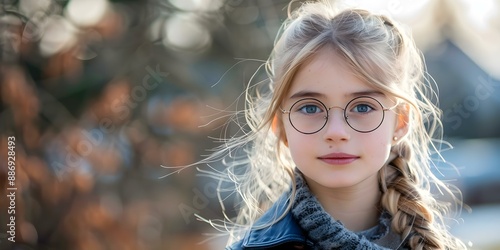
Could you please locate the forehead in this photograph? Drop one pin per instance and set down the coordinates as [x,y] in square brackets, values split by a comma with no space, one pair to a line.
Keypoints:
[327,75]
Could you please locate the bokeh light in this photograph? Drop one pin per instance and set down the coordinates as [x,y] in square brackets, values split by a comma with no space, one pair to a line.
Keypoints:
[59,35]
[184,31]
[86,13]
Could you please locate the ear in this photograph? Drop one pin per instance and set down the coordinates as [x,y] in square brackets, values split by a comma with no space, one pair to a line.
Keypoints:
[402,123]
[278,131]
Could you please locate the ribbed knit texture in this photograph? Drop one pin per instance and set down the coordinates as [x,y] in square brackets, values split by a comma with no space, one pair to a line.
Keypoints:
[320,227]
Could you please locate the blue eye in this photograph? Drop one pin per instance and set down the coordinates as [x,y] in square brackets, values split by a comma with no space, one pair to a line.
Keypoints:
[310,109]
[362,108]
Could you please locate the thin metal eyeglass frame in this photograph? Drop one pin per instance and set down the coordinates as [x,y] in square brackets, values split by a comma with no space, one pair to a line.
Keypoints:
[344,114]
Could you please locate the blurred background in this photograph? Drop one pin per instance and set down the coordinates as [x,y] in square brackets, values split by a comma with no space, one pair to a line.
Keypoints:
[104,97]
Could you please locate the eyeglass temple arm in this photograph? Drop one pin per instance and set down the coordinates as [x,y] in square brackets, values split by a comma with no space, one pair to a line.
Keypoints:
[284,111]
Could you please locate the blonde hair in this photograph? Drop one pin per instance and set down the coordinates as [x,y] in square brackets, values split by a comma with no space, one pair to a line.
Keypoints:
[379,52]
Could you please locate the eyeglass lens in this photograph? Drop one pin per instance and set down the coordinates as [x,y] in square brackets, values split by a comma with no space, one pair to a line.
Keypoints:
[363,114]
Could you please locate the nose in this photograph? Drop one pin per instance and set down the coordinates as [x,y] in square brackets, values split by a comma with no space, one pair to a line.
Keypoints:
[336,128]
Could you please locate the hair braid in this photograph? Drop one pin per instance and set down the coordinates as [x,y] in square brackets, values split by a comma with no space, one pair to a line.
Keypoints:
[403,199]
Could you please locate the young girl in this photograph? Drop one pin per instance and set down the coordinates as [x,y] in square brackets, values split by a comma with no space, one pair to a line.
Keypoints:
[340,141]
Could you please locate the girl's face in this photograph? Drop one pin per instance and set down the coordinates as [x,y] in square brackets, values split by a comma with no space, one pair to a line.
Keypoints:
[337,156]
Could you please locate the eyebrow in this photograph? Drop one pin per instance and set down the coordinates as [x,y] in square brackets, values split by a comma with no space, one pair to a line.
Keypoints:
[306,93]
[366,92]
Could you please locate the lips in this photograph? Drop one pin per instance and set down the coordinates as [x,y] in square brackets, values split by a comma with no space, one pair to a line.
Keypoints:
[338,158]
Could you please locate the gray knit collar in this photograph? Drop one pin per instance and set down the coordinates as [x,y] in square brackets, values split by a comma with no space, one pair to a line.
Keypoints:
[325,231]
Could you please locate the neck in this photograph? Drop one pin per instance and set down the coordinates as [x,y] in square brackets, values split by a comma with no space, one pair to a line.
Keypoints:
[356,207]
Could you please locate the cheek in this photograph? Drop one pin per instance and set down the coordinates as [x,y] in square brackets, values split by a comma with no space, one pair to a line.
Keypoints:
[296,142]
[300,154]
[382,148]
[375,151]
[288,132]
[378,143]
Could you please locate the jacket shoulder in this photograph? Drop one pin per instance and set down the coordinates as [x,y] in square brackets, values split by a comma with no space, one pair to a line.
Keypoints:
[269,232]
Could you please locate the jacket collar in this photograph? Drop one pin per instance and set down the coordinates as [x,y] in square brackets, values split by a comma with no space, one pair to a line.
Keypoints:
[279,232]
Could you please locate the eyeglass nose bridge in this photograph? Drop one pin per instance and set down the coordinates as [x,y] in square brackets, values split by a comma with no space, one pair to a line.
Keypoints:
[337,107]
[344,115]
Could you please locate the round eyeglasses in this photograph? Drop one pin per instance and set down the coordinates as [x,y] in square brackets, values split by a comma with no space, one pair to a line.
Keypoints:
[363,114]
